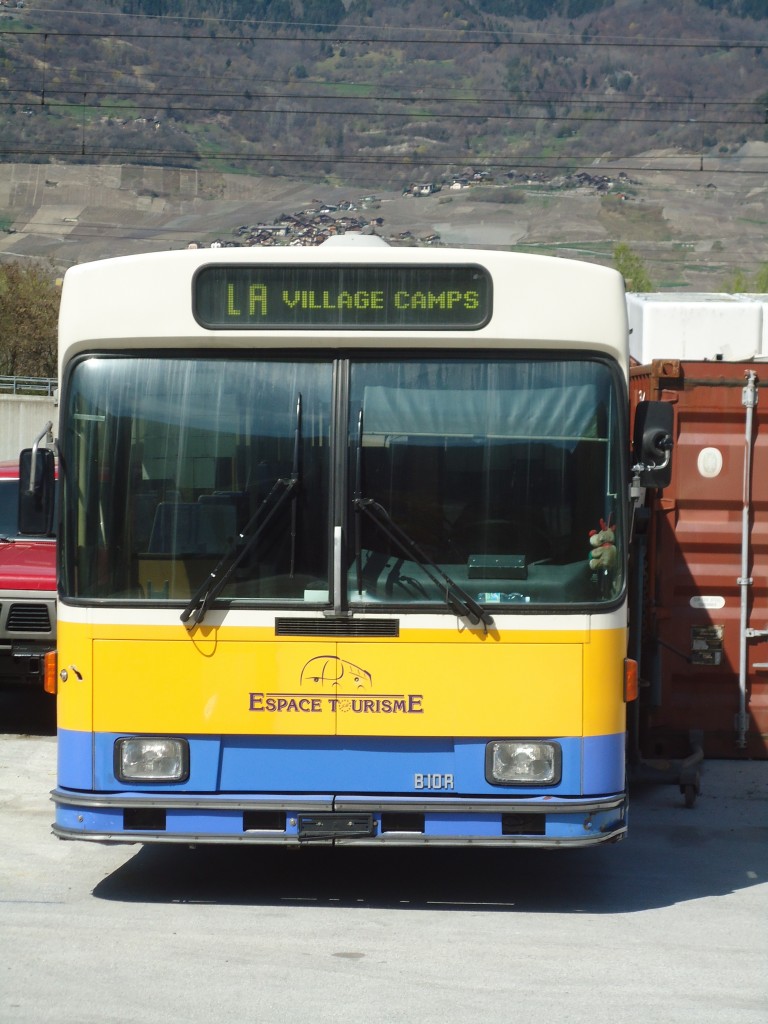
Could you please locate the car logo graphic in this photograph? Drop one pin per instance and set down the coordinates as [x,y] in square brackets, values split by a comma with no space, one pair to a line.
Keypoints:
[330,671]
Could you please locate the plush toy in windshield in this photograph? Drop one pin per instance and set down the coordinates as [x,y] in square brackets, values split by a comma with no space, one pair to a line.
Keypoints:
[602,542]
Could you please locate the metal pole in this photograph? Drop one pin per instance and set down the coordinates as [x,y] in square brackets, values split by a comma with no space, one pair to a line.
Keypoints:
[749,401]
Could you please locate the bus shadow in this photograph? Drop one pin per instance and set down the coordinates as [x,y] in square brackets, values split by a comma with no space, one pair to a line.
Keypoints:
[673,855]
[25,710]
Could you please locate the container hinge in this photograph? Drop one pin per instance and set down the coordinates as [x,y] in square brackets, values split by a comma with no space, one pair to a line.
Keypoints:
[749,395]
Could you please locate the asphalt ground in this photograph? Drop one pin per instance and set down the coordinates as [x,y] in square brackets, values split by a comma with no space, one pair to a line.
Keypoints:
[669,926]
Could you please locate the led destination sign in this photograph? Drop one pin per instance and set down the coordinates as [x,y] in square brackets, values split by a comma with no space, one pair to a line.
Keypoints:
[456,298]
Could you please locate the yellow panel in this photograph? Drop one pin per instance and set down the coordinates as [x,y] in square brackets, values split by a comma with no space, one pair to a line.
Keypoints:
[604,707]
[435,689]
[208,687]
[74,701]
[518,683]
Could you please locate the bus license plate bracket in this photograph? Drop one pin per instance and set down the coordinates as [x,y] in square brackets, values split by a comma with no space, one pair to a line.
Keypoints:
[334,825]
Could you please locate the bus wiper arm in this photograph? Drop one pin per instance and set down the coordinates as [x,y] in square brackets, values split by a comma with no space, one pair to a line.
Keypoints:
[218,578]
[279,493]
[457,599]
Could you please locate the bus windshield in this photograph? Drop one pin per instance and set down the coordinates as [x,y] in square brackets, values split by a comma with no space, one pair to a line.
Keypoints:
[492,476]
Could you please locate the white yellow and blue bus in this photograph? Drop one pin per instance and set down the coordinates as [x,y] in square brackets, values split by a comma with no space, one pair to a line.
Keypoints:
[326,552]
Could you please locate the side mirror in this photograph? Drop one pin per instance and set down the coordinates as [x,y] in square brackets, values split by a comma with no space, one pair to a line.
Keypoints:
[652,443]
[37,496]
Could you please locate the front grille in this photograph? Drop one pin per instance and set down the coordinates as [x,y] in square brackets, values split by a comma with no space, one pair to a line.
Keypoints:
[523,824]
[28,618]
[149,819]
[405,821]
[337,627]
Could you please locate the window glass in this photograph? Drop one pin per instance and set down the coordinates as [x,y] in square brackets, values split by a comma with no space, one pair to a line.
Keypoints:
[499,475]
[178,463]
[498,472]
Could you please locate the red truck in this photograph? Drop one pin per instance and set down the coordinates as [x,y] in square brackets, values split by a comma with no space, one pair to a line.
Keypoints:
[27,589]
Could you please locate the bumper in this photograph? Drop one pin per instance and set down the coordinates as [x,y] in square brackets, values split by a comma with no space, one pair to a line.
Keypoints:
[293,820]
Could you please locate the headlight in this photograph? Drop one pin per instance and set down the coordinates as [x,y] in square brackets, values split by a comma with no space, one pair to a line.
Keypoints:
[522,763]
[151,759]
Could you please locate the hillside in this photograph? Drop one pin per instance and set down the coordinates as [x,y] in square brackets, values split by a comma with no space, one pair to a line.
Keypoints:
[575,125]
[347,91]
[694,230]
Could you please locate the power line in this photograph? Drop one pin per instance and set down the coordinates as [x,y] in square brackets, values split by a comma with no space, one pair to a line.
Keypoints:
[171,105]
[336,34]
[512,99]
[445,96]
[487,35]
[596,162]
[759,106]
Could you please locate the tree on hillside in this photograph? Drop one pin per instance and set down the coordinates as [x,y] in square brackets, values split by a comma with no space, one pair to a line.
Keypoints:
[29,311]
[761,279]
[738,282]
[632,269]
[740,8]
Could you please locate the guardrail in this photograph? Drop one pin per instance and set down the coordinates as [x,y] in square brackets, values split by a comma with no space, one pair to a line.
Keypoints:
[45,386]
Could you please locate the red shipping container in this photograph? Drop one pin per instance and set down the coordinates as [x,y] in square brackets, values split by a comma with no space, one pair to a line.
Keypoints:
[700,565]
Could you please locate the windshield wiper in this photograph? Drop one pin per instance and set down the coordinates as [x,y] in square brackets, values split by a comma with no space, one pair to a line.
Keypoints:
[282,489]
[457,599]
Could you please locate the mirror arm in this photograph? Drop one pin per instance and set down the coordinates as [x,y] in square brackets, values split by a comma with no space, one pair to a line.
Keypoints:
[663,445]
[46,431]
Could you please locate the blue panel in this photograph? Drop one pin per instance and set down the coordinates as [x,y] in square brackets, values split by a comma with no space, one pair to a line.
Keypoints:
[340,764]
[485,825]
[604,767]
[343,765]
[216,823]
[75,759]
[256,764]
[274,771]
[102,819]
[376,765]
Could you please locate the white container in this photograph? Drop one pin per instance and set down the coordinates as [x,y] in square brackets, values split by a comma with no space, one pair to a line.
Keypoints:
[671,325]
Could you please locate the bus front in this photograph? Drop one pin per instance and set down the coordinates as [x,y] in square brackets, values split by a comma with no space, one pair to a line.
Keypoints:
[343,550]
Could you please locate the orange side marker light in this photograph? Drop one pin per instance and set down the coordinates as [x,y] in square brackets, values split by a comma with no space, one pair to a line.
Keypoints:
[630,680]
[50,678]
